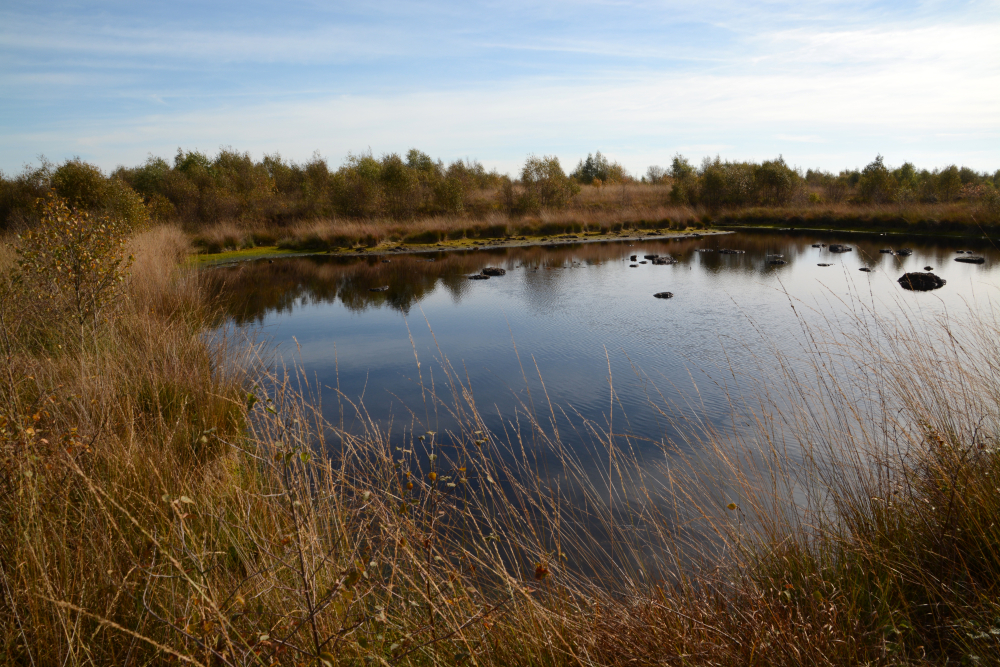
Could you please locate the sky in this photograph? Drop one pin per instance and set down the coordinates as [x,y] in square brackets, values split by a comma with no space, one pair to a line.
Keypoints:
[825,84]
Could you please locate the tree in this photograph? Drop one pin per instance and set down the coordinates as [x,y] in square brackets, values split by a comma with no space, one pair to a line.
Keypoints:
[73,256]
[877,184]
[545,183]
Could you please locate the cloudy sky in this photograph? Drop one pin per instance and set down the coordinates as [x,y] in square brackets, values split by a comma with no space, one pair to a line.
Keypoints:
[827,84]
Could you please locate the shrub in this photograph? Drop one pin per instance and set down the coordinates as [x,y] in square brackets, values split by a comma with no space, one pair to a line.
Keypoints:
[877,184]
[545,184]
[73,259]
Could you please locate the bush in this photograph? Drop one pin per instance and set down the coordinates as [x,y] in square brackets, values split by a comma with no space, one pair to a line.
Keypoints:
[545,184]
[877,184]
[74,260]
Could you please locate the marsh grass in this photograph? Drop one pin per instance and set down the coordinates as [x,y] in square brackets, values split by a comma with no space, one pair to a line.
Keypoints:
[170,497]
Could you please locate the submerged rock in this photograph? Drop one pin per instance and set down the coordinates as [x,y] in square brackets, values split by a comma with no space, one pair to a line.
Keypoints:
[664,295]
[633,257]
[905,252]
[928,268]
[921,282]
[840,247]
[776,262]
[971,260]
[633,266]
[660,261]
[478,276]
[730,251]
[866,269]
[494,271]
[886,251]
[650,256]
[824,265]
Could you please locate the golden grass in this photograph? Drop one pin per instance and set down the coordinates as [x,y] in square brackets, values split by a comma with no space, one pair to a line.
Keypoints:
[604,209]
[159,508]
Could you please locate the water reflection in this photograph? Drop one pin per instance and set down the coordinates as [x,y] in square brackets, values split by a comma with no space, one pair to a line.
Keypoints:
[579,313]
[250,291]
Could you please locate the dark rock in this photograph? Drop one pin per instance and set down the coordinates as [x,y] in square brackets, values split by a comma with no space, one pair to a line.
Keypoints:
[704,250]
[633,266]
[728,251]
[478,276]
[661,261]
[921,282]
[824,265]
[383,288]
[971,260]
[633,257]
[494,271]
[928,268]
[642,261]
[887,251]
[817,245]
[840,247]
[650,256]
[866,269]
[776,262]
[664,295]
[905,252]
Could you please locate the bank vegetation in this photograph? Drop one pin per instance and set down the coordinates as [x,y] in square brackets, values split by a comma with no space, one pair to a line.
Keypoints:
[168,497]
[231,201]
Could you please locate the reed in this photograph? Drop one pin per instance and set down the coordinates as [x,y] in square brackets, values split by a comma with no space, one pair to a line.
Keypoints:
[173,497]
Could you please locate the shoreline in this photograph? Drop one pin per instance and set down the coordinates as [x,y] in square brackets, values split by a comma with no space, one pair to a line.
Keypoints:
[399,248]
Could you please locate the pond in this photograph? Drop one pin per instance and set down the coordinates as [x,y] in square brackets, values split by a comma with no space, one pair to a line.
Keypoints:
[573,332]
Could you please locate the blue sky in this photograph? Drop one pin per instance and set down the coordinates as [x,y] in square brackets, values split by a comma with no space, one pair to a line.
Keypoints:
[826,84]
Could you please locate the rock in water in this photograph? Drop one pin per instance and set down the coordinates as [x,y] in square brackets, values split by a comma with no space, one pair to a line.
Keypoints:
[776,262]
[921,282]
[840,247]
[824,265]
[383,288]
[479,276]
[650,256]
[664,295]
[886,250]
[661,261]
[928,268]
[971,260]
[905,252]
[633,266]
[865,269]
[494,271]
[633,257]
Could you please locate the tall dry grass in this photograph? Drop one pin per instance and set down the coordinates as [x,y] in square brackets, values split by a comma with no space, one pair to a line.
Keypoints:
[159,507]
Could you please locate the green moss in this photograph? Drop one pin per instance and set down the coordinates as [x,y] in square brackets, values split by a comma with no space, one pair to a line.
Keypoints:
[236,255]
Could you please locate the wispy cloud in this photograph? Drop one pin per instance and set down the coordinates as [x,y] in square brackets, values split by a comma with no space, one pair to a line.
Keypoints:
[827,84]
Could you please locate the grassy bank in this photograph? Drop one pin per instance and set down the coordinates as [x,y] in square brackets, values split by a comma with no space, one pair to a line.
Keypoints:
[166,500]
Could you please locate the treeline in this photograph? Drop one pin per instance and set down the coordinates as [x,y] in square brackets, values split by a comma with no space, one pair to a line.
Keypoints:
[198,189]
[720,185]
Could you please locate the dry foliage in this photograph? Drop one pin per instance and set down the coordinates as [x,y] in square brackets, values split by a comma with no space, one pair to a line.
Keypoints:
[166,500]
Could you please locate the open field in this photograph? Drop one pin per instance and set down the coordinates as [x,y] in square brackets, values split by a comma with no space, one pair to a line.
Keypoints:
[168,498]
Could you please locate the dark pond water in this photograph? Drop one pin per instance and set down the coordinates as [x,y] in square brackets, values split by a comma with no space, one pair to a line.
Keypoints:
[579,315]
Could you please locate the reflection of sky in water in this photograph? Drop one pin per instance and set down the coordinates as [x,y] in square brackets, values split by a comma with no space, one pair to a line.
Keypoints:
[567,308]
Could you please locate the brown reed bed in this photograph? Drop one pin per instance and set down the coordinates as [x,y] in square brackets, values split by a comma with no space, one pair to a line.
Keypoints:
[167,500]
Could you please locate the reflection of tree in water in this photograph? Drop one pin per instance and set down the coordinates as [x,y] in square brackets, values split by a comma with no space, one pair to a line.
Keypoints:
[250,291]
